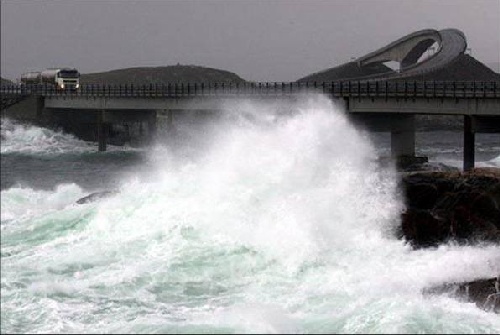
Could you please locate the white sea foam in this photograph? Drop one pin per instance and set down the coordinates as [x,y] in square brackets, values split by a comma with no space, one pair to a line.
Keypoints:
[282,224]
[495,161]
[30,139]
[23,203]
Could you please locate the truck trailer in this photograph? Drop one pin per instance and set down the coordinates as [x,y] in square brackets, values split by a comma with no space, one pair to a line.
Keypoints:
[61,78]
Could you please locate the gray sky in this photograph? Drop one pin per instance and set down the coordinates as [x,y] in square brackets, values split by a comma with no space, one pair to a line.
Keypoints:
[261,40]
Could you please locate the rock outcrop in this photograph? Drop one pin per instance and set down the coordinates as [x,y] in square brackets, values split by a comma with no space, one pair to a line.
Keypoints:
[459,206]
[95,196]
[484,293]
[463,207]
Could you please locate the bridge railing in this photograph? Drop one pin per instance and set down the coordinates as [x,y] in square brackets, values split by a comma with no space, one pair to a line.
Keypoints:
[179,90]
[407,89]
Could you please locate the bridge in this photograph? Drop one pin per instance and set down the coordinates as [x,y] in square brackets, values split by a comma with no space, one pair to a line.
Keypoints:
[407,50]
[383,102]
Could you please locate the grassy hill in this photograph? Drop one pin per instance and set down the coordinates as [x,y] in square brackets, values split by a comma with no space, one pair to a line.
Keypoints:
[4,81]
[162,75]
[462,68]
[495,66]
[346,71]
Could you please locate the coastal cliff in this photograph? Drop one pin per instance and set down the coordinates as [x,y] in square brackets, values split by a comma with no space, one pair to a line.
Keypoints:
[458,207]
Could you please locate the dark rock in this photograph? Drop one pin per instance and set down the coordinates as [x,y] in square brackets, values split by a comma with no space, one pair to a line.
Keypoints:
[485,206]
[411,163]
[485,293]
[96,196]
[461,225]
[440,180]
[423,195]
[422,229]
[461,206]
[431,166]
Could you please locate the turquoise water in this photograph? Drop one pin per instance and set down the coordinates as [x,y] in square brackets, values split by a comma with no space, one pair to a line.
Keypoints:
[260,223]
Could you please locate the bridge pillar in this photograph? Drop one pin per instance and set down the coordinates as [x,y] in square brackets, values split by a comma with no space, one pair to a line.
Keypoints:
[101,132]
[469,139]
[40,104]
[170,120]
[152,126]
[403,136]
[167,121]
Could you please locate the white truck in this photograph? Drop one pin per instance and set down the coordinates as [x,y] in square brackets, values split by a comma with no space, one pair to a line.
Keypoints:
[62,78]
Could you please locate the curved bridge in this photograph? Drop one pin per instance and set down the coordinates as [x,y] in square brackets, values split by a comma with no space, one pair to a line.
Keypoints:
[410,48]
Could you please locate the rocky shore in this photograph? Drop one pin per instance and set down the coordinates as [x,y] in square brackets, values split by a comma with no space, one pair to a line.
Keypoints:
[459,207]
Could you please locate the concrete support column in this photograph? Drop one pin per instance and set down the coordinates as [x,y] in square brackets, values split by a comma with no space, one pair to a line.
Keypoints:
[403,136]
[40,103]
[468,142]
[170,121]
[152,126]
[101,131]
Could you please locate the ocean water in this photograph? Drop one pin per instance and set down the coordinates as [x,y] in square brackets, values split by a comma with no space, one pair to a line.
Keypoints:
[272,218]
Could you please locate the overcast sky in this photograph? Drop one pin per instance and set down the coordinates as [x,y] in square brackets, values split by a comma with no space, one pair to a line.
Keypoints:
[261,40]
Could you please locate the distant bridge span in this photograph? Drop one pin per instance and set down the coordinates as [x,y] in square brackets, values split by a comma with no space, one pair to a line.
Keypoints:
[410,48]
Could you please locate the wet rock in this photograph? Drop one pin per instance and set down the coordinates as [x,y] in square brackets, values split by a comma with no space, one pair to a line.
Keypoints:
[485,293]
[429,166]
[96,196]
[441,181]
[459,206]
[422,195]
[422,229]
[410,163]
[443,206]
[487,207]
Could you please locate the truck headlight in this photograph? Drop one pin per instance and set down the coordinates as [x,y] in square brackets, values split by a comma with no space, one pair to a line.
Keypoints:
[62,85]
[77,85]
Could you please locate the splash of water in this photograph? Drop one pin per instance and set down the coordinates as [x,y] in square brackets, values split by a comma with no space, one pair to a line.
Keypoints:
[282,222]
[31,139]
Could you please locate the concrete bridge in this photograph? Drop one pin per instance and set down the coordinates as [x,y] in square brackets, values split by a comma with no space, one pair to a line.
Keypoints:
[381,102]
[378,105]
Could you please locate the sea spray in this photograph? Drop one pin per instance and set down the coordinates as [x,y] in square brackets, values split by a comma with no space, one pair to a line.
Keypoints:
[281,222]
[25,138]
[41,158]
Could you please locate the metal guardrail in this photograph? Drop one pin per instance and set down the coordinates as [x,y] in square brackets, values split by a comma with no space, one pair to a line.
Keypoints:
[405,89]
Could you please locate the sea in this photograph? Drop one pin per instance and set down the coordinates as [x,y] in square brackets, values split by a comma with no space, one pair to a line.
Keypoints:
[273,217]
